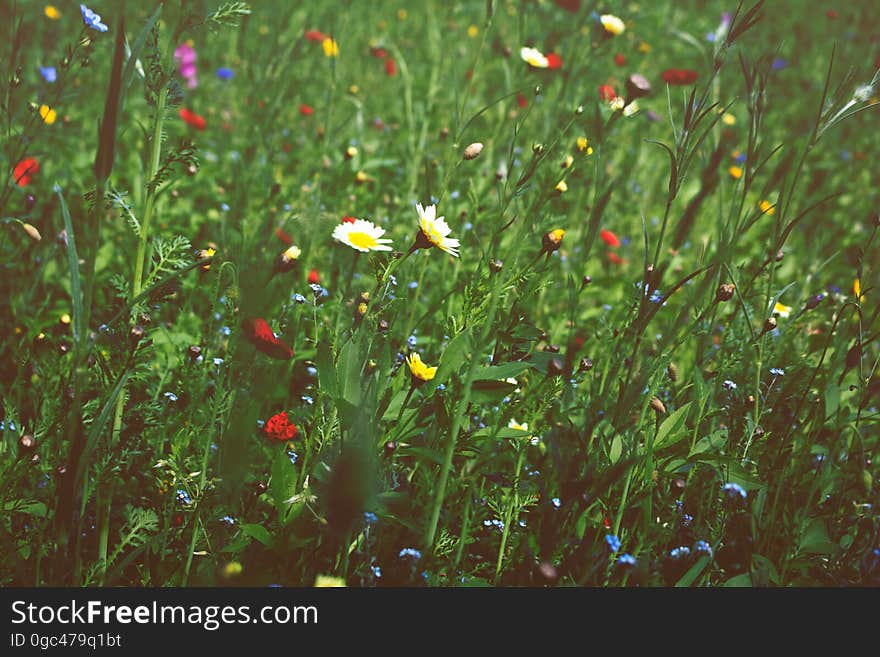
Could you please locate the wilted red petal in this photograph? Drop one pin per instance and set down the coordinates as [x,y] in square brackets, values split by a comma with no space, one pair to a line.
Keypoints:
[609,238]
[315,35]
[313,277]
[25,170]
[606,92]
[258,333]
[554,60]
[381,53]
[284,237]
[613,257]
[679,76]
[619,59]
[521,100]
[390,67]
[192,119]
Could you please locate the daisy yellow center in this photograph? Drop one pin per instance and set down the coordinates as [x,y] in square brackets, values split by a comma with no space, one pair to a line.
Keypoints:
[433,235]
[362,240]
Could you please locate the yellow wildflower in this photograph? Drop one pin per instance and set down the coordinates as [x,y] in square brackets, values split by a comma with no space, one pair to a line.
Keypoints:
[331,48]
[420,372]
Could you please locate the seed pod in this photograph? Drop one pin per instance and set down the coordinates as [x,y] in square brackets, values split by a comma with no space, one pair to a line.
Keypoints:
[444,133]
[672,372]
[725,292]
[473,150]
[586,365]
[658,406]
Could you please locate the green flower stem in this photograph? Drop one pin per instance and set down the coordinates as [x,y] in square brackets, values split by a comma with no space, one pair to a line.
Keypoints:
[105,502]
[431,529]
[513,505]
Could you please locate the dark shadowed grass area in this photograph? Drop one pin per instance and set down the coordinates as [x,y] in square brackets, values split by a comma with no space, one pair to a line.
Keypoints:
[439,294]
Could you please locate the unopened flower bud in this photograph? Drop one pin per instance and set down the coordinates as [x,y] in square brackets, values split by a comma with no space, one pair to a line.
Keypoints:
[637,86]
[473,150]
[495,266]
[672,372]
[370,367]
[288,259]
[586,365]
[537,149]
[658,406]
[814,301]
[382,326]
[770,324]
[194,352]
[27,443]
[725,292]
[32,232]
[364,297]
[552,240]
[136,334]
[555,367]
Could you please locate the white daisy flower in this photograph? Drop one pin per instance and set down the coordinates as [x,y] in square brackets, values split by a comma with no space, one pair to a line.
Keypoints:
[362,235]
[534,57]
[434,231]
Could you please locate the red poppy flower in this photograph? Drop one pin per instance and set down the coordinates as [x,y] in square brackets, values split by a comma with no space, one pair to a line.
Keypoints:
[284,237]
[569,5]
[279,427]
[192,119]
[609,238]
[619,59]
[25,170]
[607,93]
[679,76]
[313,277]
[259,334]
[390,67]
[381,53]
[613,257]
[521,100]
[348,220]
[554,60]
[306,110]
[315,35]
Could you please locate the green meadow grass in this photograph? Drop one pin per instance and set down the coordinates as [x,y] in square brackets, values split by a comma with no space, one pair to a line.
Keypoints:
[682,391]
